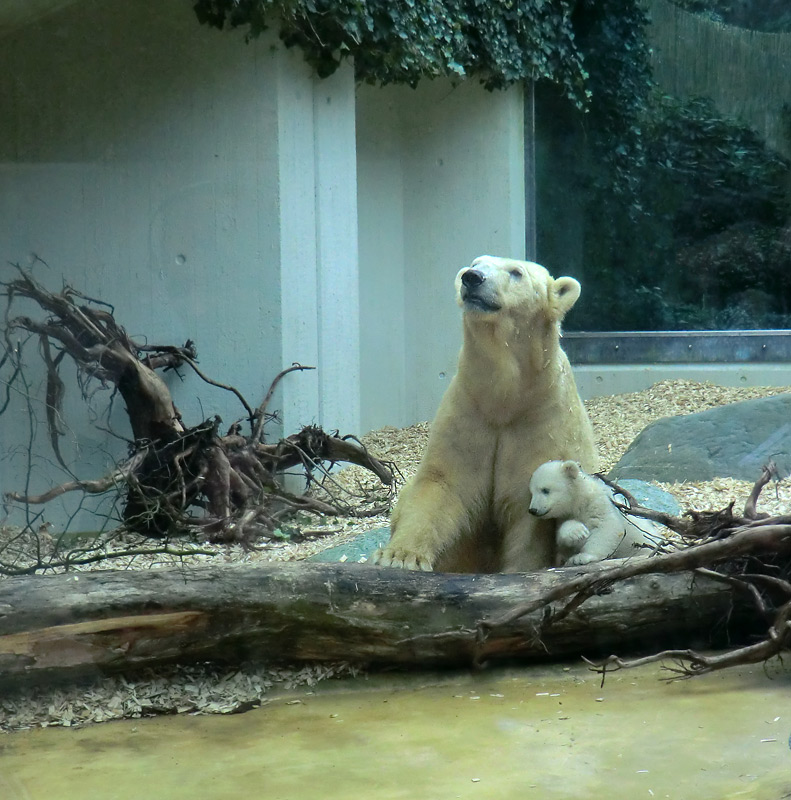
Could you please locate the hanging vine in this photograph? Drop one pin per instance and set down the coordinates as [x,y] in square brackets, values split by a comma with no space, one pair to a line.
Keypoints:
[502,41]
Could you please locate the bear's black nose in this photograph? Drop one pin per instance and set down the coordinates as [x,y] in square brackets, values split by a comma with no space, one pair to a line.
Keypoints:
[472,278]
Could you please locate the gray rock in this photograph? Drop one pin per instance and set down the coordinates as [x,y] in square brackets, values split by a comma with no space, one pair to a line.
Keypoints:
[354,550]
[651,496]
[732,441]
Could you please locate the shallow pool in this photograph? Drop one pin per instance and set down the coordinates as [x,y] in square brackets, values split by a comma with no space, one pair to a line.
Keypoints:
[547,732]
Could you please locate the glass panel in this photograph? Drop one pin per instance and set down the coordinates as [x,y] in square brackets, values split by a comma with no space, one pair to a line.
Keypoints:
[702,240]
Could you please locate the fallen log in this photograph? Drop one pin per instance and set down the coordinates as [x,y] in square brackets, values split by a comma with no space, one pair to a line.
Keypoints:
[56,626]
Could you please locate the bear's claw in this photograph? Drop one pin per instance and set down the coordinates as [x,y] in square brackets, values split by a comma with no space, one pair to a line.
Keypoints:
[401,559]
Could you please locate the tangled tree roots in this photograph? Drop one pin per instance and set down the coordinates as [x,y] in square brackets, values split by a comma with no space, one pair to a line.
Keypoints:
[176,478]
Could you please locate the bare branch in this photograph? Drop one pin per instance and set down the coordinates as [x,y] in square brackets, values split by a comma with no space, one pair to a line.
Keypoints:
[260,414]
[174,469]
[633,508]
[70,560]
[744,541]
[750,507]
[690,663]
[227,387]
[115,479]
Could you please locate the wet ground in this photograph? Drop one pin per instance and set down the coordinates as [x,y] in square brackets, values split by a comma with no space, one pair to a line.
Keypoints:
[550,732]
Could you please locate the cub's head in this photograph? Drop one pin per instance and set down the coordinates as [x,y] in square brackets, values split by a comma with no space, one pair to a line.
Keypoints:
[493,286]
[552,489]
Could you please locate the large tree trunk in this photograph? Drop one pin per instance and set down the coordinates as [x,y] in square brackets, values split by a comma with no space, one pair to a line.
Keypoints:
[106,621]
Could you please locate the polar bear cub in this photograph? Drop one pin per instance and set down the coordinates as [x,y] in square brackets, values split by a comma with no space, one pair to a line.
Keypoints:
[590,527]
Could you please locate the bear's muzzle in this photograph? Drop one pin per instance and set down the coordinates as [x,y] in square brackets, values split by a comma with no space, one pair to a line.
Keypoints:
[475,293]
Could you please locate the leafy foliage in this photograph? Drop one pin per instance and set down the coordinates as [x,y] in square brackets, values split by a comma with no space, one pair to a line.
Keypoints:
[500,41]
[612,34]
[715,172]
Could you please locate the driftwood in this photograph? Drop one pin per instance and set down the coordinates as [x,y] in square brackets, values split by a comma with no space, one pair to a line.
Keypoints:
[176,479]
[96,622]
[750,552]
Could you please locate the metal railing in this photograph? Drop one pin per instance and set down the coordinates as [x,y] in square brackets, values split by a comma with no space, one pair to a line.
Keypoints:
[678,347]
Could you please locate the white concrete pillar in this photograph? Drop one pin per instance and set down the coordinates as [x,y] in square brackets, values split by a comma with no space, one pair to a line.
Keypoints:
[338,262]
[318,246]
[298,278]
[442,180]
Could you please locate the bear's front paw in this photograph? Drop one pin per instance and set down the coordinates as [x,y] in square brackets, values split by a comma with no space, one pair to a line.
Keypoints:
[572,533]
[579,559]
[402,559]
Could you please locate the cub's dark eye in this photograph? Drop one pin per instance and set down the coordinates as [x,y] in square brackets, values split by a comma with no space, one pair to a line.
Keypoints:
[515,273]
[543,491]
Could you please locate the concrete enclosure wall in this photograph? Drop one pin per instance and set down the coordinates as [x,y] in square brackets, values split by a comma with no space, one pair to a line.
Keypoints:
[441,181]
[217,190]
[203,186]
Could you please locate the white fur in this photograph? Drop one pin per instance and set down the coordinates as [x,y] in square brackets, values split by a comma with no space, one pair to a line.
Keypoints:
[512,405]
[590,527]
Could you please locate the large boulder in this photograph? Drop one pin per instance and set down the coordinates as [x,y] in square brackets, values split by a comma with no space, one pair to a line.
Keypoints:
[732,441]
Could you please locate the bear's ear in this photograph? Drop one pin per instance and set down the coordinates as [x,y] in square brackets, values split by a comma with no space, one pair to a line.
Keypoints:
[563,293]
[571,469]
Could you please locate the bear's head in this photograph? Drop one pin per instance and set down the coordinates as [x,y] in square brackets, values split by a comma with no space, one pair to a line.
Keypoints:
[552,490]
[491,286]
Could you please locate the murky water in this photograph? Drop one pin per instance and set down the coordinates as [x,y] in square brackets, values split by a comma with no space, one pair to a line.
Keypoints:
[544,732]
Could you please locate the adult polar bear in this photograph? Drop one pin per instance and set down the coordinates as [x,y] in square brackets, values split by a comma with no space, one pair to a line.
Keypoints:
[512,405]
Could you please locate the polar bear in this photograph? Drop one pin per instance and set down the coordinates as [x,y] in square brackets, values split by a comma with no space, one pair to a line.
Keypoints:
[590,526]
[512,405]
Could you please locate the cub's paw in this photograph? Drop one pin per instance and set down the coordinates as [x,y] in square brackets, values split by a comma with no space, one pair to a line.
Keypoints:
[578,559]
[572,534]
[400,558]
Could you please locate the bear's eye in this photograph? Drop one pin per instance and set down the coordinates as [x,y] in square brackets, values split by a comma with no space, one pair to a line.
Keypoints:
[515,273]
[545,491]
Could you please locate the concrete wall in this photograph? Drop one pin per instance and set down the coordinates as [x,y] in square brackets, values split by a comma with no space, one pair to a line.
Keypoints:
[187,178]
[441,181]
[607,379]
[217,190]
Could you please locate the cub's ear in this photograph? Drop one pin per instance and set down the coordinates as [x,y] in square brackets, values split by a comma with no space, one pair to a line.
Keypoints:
[571,469]
[563,293]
